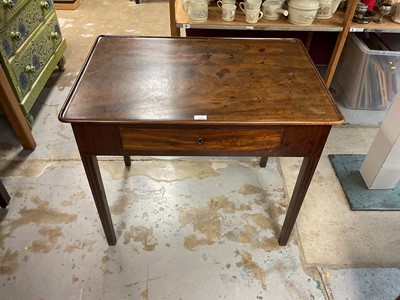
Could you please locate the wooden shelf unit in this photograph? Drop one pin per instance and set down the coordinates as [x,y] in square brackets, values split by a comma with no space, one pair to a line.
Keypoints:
[389,26]
[215,21]
[340,22]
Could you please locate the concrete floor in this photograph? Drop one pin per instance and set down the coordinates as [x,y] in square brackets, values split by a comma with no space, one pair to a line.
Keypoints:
[185,228]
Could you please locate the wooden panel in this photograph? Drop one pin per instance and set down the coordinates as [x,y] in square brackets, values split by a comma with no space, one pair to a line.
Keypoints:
[11,109]
[229,81]
[199,139]
[105,139]
[67,5]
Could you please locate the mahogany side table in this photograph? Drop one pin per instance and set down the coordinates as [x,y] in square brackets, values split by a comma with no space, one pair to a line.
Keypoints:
[199,97]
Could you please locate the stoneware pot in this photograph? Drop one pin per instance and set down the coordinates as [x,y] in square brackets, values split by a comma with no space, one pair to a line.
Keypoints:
[303,12]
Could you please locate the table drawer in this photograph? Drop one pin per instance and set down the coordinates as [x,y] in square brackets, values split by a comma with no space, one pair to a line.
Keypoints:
[198,139]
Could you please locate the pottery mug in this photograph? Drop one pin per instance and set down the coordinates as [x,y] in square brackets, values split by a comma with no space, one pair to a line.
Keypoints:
[228,12]
[253,15]
[196,9]
[222,2]
[250,4]
[273,10]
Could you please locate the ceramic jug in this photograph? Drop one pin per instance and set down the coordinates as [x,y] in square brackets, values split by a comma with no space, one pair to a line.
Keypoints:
[273,10]
[197,10]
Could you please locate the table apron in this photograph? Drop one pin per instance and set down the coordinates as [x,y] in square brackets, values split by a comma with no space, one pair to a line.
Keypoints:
[279,140]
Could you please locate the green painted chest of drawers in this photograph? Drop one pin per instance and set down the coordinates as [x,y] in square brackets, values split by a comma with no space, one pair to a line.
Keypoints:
[31,47]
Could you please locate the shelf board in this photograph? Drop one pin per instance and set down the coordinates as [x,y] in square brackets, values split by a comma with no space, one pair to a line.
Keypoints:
[388,26]
[66,4]
[214,21]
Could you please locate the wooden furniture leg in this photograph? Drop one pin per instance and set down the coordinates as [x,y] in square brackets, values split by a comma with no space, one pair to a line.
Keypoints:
[4,196]
[303,182]
[92,170]
[172,21]
[263,162]
[309,38]
[13,112]
[127,160]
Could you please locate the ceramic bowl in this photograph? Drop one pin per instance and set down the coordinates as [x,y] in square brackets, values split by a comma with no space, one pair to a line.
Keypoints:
[302,12]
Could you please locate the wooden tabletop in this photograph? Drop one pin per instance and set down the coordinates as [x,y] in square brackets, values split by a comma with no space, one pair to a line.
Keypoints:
[149,80]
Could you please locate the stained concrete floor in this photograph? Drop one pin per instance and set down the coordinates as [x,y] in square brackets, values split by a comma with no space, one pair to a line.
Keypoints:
[187,228]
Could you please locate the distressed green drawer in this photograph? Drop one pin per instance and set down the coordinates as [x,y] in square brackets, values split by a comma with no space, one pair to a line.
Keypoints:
[18,29]
[30,61]
[9,8]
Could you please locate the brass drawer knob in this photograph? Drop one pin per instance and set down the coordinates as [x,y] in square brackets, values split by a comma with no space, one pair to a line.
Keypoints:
[30,69]
[44,5]
[55,35]
[8,4]
[16,35]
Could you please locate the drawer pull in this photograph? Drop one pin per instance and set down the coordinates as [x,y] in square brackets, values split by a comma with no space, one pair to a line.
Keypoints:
[199,141]
[54,35]
[8,4]
[30,69]
[44,5]
[16,35]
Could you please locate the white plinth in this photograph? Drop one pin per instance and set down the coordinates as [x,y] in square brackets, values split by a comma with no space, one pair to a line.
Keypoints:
[381,167]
